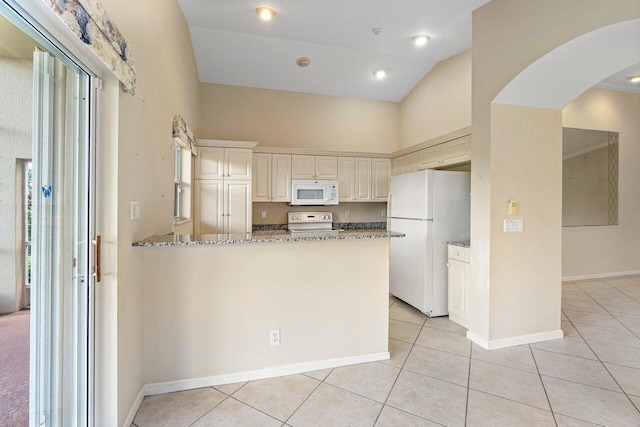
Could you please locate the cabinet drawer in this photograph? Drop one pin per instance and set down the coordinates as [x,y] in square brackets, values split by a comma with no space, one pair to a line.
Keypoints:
[459,253]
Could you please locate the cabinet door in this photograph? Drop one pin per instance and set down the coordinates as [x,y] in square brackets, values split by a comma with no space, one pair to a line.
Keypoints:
[381,175]
[430,157]
[326,167]
[209,203]
[458,283]
[346,168]
[237,163]
[457,151]
[411,162]
[303,167]
[210,163]
[261,177]
[362,182]
[281,178]
[237,203]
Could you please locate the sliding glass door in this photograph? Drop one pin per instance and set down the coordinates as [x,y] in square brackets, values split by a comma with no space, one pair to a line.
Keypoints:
[61,282]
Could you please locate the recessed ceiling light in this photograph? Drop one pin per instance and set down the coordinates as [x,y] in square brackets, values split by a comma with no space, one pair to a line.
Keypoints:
[421,40]
[265,13]
[380,73]
[634,79]
[303,62]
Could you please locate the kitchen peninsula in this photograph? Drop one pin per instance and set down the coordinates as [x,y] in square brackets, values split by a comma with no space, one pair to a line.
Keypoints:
[212,302]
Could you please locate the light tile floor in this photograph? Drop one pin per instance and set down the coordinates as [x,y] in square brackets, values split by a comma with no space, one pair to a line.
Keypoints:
[437,377]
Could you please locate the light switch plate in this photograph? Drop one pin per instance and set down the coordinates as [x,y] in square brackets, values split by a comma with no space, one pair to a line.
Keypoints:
[135,210]
[513,225]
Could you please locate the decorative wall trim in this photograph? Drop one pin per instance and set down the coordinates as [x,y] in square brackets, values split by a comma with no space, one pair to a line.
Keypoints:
[514,341]
[309,152]
[225,143]
[90,23]
[134,408]
[276,371]
[182,133]
[601,275]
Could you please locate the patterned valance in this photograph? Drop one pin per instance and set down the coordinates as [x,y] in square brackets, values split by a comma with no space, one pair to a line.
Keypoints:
[182,132]
[90,23]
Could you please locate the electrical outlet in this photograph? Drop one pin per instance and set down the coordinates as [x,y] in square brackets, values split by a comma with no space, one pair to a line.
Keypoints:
[383,213]
[347,213]
[135,210]
[263,214]
[274,337]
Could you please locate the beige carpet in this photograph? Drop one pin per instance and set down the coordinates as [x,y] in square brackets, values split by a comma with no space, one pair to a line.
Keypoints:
[14,369]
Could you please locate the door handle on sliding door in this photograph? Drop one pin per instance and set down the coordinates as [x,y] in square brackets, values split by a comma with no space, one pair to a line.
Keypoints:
[97,269]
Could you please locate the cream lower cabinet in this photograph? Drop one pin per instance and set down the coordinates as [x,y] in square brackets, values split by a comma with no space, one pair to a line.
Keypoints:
[222,206]
[458,283]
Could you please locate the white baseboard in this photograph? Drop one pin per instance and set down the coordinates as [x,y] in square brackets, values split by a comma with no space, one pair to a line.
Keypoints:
[513,341]
[600,275]
[276,371]
[134,408]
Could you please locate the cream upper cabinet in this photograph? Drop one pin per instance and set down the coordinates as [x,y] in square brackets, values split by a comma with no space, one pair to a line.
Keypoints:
[411,162]
[271,177]
[314,167]
[281,178]
[457,151]
[261,177]
[362,179]
[380,177]
[218,163]
[430,158]
[458,284]
[326,167]
[346,169]
[303,167]
[210,163]
[237,163]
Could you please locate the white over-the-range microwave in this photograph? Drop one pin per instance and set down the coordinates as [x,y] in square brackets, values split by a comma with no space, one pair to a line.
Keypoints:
[314,192]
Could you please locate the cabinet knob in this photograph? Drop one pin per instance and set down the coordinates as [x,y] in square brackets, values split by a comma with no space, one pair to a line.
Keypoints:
[448,265]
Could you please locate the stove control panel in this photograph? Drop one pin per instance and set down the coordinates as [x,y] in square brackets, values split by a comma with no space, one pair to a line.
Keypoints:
[309,217]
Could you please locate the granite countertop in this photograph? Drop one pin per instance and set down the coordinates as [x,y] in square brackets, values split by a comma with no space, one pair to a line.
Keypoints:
[461,244]
[259,237]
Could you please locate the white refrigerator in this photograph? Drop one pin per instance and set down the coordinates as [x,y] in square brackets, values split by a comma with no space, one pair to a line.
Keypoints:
[432,208]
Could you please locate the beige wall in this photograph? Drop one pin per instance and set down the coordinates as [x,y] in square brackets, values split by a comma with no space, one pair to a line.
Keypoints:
[588,251]
[16,93]
[209,309]
[359,212]
[276,118]
[585,189]
[526,266]
[508,37]
[439,104]
[167,84]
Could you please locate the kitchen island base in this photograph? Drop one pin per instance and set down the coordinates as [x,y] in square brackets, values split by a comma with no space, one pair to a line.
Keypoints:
[209,310]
